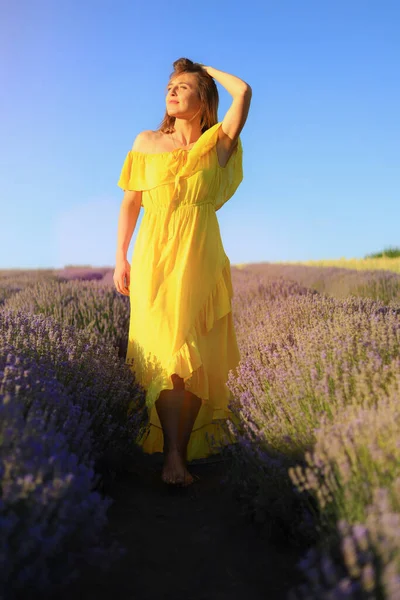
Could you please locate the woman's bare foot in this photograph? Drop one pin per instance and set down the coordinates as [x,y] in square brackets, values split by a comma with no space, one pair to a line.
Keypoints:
[174,470]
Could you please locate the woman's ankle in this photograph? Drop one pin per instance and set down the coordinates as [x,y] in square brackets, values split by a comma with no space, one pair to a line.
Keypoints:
[176,449]
[171,448]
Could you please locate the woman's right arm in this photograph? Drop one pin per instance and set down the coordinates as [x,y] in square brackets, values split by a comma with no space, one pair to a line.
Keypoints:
[130,207]
[128,216]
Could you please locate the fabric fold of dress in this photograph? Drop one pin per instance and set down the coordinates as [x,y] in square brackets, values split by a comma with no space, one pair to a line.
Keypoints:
[180,285]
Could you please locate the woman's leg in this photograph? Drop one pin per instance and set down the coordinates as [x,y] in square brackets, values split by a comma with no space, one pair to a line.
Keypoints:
[169,405]
[177,410]
[189,411]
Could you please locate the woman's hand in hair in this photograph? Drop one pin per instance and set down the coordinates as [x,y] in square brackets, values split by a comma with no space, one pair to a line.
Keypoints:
[204,67]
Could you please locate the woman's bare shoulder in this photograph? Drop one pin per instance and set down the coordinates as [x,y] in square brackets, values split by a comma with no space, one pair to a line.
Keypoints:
[142,140]
[147,141]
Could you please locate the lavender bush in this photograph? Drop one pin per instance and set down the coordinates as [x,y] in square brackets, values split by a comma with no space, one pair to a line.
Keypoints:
[318,385]
[94,376]
[360,561]
[316,399]
[355,452]
[306,354]
[81,273]
[51,520]
[13,281]
[354,474]
[69,408]
[379,285]
[84,305]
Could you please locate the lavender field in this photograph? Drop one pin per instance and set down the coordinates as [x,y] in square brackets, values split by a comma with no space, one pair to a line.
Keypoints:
[317,397]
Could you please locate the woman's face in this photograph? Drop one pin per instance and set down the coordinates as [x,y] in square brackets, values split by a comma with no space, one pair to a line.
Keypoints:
[182,97]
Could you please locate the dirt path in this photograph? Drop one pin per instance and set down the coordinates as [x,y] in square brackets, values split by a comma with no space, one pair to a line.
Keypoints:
[185,544]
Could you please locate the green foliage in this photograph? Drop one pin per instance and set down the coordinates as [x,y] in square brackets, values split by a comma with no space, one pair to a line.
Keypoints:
[389,252]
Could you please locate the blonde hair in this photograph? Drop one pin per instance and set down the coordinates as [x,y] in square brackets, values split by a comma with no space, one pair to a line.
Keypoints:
[207,91]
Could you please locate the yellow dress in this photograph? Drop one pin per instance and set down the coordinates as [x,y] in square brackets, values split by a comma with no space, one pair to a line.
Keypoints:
[180,285]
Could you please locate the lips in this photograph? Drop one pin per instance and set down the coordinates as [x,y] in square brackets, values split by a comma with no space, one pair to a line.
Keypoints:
[173,102]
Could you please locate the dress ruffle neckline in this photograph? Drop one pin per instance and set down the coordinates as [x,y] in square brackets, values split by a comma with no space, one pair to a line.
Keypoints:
[200,147]
[145,171]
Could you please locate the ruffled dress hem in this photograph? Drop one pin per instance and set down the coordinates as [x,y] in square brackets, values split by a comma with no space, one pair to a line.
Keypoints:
[204,442]
[209,431]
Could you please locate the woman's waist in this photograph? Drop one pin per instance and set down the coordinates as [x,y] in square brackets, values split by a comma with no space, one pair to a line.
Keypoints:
[152,206]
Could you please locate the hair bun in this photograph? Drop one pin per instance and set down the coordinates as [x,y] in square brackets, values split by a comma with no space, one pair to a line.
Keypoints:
[183,63]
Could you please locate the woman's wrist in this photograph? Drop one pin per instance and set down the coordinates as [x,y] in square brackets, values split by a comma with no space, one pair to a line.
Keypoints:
[120,255]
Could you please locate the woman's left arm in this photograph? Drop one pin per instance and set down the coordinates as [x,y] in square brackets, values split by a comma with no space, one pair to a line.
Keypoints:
[236,115]
[233,85]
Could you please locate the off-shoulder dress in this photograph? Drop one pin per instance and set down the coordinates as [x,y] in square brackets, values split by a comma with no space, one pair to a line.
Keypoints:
[180,285]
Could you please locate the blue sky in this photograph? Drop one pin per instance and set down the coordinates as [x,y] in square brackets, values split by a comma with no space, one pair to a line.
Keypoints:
[321,144]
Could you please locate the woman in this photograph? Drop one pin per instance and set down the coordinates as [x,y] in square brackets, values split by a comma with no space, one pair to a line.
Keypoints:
[182,342]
